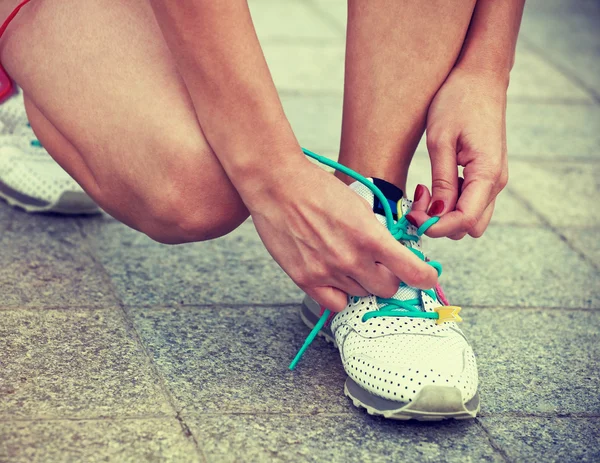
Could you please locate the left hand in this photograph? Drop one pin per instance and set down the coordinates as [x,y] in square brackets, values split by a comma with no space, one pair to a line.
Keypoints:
[466,126]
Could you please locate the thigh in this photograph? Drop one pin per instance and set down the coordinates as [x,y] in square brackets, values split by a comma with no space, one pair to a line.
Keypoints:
[99,74]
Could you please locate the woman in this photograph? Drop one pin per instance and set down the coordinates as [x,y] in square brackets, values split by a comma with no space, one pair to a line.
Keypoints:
[165,113]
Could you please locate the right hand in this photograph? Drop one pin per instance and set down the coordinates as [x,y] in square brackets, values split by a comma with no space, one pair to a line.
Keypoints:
[328,240]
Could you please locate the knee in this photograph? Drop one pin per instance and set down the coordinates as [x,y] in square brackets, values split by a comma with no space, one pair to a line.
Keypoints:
[185,198]
[180,218]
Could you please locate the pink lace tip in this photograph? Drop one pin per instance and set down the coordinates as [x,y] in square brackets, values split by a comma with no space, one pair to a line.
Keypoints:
[440,294]
[331,315]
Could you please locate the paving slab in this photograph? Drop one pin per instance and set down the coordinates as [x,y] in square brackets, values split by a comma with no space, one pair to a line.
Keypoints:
[587,241]
[515,267]
[235,360]
[564,193]
[318,69]
[95,441]
[544,130]
[275,20]
[343,438]
[533,78]
[234,269]
[316,120]
[45,263]
[72,363]
[566,33]
[531,439]
[536,361]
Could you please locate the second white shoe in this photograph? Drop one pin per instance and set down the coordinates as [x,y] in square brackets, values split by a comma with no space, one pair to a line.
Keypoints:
[29,178]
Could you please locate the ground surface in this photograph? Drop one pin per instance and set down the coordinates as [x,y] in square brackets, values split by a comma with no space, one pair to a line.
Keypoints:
[115,348]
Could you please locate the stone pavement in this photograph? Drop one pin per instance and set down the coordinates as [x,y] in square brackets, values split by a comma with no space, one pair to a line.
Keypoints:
[115,348]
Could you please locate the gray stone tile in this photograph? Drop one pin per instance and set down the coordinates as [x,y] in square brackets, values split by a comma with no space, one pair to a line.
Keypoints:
[44,262]
[567,34]
[16,220]
[235,360]
[320,68]
[544,130]
[335,10]
[534,78]
[565,193]
[349,438]
[508,211]
[536,361]
[316,120]
[557,439]
[235,268]
[534,129]
[95,441]
[277,20]
[59,363]
[512,266]
[587,241]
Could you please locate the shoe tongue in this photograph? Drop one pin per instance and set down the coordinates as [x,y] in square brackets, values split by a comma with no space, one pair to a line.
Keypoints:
[393,194]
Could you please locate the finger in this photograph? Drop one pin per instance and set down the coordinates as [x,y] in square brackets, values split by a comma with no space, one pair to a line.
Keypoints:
[478,230]
[469,209]
[444,176]
[378,280]
[421,198]
[328,297]
[351,287]
[458,236]
[404,264]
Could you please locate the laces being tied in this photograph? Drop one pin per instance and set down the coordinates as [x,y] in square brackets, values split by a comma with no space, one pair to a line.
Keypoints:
[399,230]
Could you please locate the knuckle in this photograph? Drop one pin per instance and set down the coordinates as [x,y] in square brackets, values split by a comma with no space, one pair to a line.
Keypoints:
[469,222]
[477,233]
[303,279]
[442,184]
[418,275]
[502,181]
[438,139]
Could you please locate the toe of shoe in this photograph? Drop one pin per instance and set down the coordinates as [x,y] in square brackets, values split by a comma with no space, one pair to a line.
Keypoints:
[386,368]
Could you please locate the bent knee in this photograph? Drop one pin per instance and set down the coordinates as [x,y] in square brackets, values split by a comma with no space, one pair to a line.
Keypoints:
[183,196]
[183,218]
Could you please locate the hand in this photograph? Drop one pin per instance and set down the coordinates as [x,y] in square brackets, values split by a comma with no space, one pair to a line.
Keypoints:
[327,239]
[466,126]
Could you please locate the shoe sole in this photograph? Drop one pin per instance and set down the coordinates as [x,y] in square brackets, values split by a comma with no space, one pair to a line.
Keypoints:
[432,403]
[69,203]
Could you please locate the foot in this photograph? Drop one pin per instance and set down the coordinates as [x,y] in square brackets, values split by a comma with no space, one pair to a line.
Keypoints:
[29,178]
[405,357]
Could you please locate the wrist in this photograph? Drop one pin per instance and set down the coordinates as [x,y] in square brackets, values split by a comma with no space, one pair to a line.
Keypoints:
[490,77]
[267,177]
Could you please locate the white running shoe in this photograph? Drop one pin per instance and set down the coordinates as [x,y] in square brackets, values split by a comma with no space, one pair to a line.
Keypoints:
[405,357]
[29,178]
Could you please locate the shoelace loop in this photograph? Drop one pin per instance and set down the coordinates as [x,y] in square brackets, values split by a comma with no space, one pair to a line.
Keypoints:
[399,230]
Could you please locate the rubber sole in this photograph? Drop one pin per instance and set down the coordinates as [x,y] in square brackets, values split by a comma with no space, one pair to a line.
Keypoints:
[432,403]
[69,203]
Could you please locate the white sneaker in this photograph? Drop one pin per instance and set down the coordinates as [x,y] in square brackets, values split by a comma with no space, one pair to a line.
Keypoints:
[29,178]
[405,357]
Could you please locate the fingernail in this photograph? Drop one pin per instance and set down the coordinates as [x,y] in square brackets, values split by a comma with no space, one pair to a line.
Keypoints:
[418,192]
[411,220]
[436,208]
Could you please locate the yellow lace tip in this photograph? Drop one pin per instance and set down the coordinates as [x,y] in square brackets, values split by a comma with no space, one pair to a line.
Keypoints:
[448,314]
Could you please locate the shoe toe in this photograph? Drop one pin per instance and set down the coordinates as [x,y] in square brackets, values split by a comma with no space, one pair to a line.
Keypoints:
[398,367]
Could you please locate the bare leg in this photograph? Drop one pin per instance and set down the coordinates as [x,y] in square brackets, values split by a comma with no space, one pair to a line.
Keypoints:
[398,54]
[105,98]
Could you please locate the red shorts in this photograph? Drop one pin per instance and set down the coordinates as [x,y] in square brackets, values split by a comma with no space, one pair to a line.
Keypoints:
[6,85]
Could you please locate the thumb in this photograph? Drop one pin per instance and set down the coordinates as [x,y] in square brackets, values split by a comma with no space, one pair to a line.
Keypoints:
[444,176]
[329,297]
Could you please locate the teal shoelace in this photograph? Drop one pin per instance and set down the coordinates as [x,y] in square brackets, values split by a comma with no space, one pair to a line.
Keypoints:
[35,142]
[399,230]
